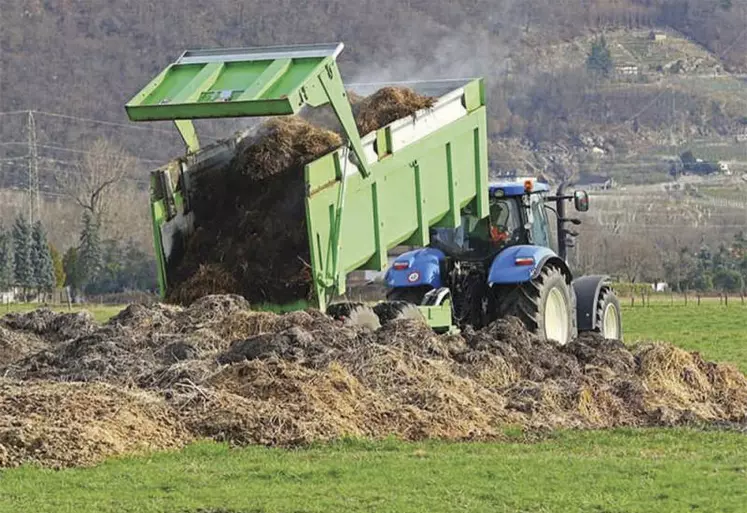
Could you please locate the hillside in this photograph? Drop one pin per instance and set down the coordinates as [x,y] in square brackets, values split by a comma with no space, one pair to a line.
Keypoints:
[86,58]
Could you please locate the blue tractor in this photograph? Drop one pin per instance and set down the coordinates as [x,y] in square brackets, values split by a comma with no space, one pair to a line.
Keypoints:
[504,265]
[418,181]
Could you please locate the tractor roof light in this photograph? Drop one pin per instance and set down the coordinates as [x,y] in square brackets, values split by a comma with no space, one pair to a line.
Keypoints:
[528,186]
[523,261]
[399,266]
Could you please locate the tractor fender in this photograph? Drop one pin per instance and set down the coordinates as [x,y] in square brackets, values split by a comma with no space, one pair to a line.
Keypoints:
[588,290]
[505,271]
[423,269]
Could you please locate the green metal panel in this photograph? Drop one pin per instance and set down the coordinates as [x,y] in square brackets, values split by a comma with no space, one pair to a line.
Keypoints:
[271,81]
[158,216]
[416,187]
[438,317]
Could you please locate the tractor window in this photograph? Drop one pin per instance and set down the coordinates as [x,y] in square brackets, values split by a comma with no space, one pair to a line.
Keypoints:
[481,238]
[505,216]
[539,223]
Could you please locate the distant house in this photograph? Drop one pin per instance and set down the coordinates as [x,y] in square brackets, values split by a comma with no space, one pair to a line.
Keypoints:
[626,69]
[7,296]
[657,36]
[660,286]
[597,184]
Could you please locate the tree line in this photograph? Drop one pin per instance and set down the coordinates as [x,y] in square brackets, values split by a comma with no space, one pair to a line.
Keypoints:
[27,261]
[34,268]
[723,268]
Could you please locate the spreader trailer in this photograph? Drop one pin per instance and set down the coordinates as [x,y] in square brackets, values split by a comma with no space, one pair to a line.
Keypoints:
[484,248]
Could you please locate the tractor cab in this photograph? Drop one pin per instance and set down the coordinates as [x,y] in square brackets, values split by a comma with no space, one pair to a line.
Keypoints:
[516,216]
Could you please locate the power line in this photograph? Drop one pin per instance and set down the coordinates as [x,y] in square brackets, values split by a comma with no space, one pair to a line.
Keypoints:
[131,126]
[70,172]
[73,150]
[103,122]
[45,193]
[83,152]
[13,112]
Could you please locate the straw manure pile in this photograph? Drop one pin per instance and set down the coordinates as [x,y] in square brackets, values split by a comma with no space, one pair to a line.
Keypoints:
[252,238]
[160,376]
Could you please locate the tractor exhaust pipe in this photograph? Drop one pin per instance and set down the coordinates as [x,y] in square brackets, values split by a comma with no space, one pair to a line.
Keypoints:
[560,199]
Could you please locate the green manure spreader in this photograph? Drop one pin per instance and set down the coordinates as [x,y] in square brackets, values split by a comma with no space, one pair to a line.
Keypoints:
[483,249]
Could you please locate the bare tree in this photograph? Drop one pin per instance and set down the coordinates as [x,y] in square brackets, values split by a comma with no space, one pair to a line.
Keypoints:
[101,173]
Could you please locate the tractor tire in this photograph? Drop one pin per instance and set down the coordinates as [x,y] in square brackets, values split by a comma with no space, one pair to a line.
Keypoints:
[342,310]
[545,305]
[388,311]
[609,322]
[354,314]
[412,295]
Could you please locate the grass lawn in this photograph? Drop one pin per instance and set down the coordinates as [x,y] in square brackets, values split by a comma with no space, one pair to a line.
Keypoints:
[719,332]
[101,313]
[624,471]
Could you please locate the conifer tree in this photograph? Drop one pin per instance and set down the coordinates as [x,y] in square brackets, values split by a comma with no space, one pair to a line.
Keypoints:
[90,258]
[22,263]
[6,261]
[41,259]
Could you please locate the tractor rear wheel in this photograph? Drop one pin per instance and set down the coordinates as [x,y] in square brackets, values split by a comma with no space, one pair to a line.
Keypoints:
[544,305]
[609,324]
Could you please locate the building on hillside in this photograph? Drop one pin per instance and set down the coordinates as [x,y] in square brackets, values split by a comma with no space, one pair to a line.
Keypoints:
[596,183]
[626,69]
[657,36]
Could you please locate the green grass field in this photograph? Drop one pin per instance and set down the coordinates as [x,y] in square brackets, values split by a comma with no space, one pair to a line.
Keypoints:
[719,332]
[622,471]
[101,313]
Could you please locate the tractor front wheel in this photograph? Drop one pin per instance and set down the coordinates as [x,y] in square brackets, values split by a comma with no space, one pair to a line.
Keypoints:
[609,323]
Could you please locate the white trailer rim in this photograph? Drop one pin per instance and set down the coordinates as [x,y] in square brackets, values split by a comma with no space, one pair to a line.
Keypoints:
[556,317]
[611,327]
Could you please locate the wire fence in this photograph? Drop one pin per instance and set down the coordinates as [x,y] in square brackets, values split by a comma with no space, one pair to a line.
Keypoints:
[646,299]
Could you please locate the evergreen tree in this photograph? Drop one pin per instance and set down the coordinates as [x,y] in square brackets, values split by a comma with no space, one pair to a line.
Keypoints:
[44,277]
[58,266]
[600,59]
[6,261]
[70,266]
[22,263]
[90,258]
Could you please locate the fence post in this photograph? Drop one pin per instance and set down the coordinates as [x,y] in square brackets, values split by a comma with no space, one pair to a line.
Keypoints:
[632,300]
[67,294]
[698,298]
[726,299]
[685,298]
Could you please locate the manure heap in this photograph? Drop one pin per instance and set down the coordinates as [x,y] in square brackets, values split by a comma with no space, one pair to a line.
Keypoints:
[251,237]
[161,376]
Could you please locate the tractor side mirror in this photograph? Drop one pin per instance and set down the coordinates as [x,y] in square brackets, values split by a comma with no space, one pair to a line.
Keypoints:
[581,201]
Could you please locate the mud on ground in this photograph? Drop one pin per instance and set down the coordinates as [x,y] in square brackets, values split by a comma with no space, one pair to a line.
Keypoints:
[157,377]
